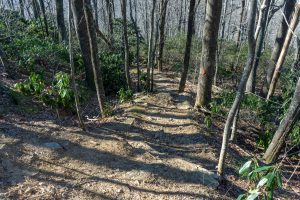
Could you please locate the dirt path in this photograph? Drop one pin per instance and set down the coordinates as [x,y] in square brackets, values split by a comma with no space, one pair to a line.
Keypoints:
[153,148]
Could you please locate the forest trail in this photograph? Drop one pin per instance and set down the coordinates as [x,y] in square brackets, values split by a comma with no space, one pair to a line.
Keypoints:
[152,148]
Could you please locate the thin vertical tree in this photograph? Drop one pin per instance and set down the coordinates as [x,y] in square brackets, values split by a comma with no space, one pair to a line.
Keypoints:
[238,38]
[126,45]
[241,89]
[188,46]
[21,5]
[44,17]
[60,21]
[284,51]
[209,51]
[285,127]
[110,11]
[150,63]
[162,24]
[77,103]
[260,34]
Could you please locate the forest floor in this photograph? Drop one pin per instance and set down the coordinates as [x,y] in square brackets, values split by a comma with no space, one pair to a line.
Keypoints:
[154,147]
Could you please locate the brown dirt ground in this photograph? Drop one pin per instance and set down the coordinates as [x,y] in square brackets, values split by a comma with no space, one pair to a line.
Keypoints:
[155,147]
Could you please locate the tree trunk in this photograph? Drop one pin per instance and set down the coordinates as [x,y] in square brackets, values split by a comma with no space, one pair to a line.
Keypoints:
[85,29]
[239,95]
[281,35]
[44,17]
[284,50]
[163,13]
[36,9]
[60,20]
[91,33]
[238,39]
[126,46]
[109,7]
[296,64]
[137,36]
[209,51]
[150,46]
[260,37]
[95,3]
[284,128]
[77,104]
[21,4]
[187,53]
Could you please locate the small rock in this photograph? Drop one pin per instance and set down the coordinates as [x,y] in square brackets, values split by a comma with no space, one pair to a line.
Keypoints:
[53,146]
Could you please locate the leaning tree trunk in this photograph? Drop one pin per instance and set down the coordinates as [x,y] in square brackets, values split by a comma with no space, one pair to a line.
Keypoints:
[126,46]
[85,29]
[187,53]
[284,50]
[239,95]
[209,51]
[150,45]
[163,13]
[281,35]
[60,20]
[284,128]
[260,37]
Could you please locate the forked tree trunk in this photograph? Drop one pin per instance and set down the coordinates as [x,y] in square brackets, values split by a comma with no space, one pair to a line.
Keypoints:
[150,45]
[240,93]
[281,35]
[163,13]
[284,128]
[77,104]
[209,51]
[284,50]
[260,37]
[187,53]
[62,36]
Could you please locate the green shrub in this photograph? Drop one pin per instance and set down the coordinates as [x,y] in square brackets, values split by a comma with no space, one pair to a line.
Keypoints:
[125,95]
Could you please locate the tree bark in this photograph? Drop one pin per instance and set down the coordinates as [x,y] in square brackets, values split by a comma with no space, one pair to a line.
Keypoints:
[187,53]
[22,13]
[238,39]
[95,4]
[126,46]
[163,13]
[284,50]
[260,37]
[241,89]
[209,51]
[36,9]
[60,20]
[284,128]
[281,35]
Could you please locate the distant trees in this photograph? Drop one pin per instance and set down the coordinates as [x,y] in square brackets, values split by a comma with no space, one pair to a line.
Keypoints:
[209,51]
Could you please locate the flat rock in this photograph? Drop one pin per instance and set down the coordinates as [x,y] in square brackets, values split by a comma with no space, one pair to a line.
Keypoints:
[53,146]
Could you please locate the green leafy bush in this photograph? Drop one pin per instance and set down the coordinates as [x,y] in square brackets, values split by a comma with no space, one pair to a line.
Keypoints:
[125,95]
[266,178]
